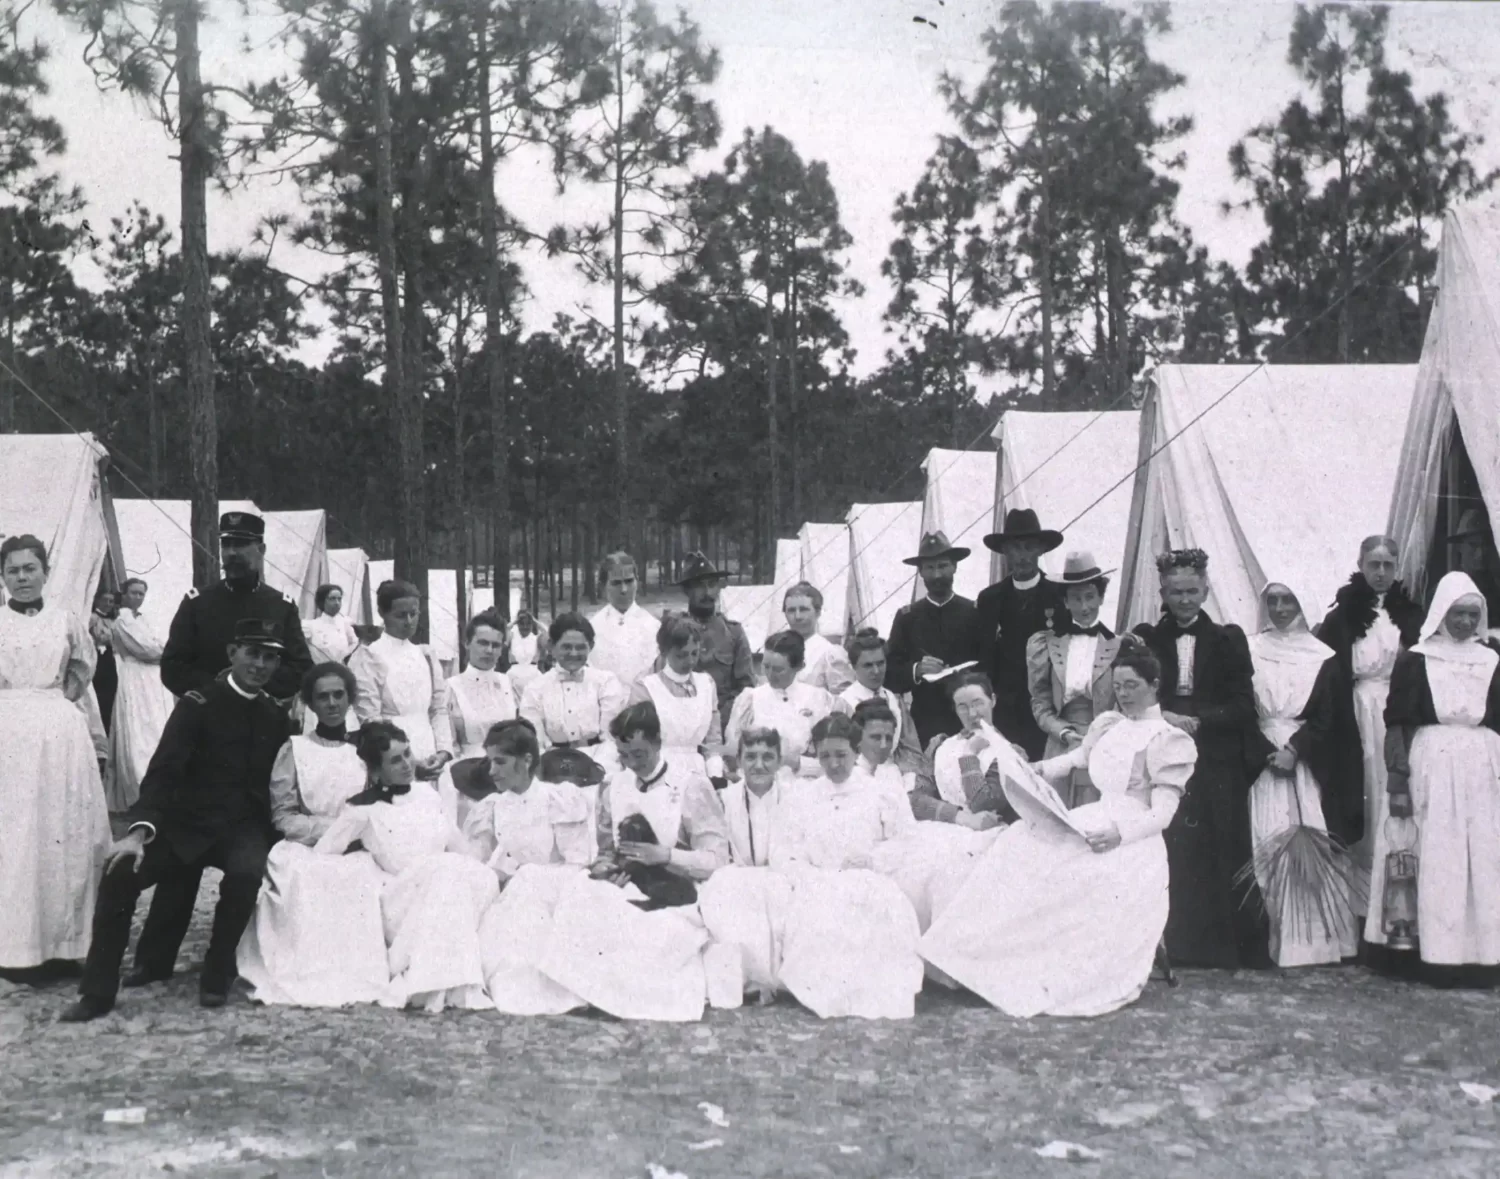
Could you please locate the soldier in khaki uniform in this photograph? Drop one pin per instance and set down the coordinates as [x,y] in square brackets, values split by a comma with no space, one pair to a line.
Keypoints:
[725,652]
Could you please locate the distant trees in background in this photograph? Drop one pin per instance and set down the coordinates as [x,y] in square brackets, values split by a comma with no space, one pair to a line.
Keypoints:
[1038,255]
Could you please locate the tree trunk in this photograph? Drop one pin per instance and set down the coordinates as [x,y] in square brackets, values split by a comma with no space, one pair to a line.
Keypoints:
[7,389]
[622,407]
[461,531]
[494,344]
[153,429]
[573,554]
[197,308]
[791,393]
[1044,263]
[773,424]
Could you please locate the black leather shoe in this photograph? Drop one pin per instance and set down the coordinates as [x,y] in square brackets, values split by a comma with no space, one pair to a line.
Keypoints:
[141,977]
[86,1008]
[207,998]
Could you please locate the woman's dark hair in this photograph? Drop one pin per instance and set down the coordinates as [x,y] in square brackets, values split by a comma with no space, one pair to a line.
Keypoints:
[563,623]
[761,736]
[391,592]
[375,739]
[675,631]
[866,638]
[321,597]
[130,581]
[836,725]
[25,543]
[789,645]
[515,737]
[972,679]
[639,720]
[873,709]
[1371,543]
[804,589]
[1102,581]
[489,618]
[1135,655]
[317,672]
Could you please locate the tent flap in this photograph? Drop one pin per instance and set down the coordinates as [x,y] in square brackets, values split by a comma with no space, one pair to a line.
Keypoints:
[960,502]
[881,536]
[52,490]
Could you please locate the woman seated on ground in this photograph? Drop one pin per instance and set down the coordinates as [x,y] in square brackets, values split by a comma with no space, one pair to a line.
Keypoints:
[316,939]
[867,652]
[825,664]
[572,705]
[624,936]
[686,700]
[330,635]
[526,820]
[965,779]
[1443,763]
[783,703]
[1296,682]
[1054,922]
[435,891]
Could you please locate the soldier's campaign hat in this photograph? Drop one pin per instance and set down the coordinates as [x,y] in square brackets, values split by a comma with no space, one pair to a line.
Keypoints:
[569,765]
[241,526]
[699,568]
[934,545]
[471,777]
[258,632]
[1023,524]
[1471,522]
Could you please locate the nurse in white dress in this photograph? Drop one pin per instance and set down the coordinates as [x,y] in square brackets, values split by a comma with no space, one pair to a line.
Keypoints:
[330,636]
[435,891]
[825,664]
[316,939]
[785,704]
[402,682]
[1055,922]
[142,704]
[624,630]
[56,826]
[687,703]
[1293,674]
[573,704]
[525,650]
[479,698]
[867,653]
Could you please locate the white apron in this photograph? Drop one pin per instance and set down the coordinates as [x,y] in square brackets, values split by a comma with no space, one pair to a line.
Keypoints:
[685,720]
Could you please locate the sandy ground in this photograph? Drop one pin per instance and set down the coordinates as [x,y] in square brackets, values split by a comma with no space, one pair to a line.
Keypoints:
[1312,1073]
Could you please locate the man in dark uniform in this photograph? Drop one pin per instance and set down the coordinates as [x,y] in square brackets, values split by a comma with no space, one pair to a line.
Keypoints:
[205,801]
[1010,612]
[106,674]
[196,655]
[1207,691]
[930,636]
[725,651]
[1474,553]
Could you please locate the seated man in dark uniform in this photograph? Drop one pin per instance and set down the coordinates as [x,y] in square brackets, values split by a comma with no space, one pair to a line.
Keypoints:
[205,802]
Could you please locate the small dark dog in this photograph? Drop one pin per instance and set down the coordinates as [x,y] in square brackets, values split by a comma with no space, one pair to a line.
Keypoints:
[664,889]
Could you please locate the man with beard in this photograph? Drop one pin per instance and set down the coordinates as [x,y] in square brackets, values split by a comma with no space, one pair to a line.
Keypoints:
[724,651]
[195,657]
[930,636]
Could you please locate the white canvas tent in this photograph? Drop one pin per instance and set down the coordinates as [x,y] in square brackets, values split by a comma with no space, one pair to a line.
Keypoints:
[349,570]
[1058,464]
[482,598]
[157,543]
[1283,475]
[960,502]
[53,488]
[881,536]
[442,606]
[297,555]
[825,564]
[752,606]
[1450,456]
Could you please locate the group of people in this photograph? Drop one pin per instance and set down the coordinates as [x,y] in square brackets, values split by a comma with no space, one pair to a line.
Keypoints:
[1003,795]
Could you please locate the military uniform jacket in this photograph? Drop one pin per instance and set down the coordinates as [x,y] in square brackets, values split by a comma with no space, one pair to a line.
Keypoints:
[949,632]
[725,655]
[197,647]
[212,768]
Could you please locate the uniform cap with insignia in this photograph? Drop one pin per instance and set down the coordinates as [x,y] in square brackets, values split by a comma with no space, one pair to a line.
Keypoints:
[258,632]
[699,568]
[241,526]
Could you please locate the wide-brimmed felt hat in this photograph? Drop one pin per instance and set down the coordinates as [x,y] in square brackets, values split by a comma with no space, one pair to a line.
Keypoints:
[935,545]
[241,526]
[569,765]
[1022,524]
[471,777]
[1471,522]
[699,568]
[1080,568]
[258,632]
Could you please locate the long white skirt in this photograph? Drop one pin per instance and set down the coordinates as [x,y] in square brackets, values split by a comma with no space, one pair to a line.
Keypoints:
[929,863]
[513,940]
[431,913]
[1370,852]
[623,960]
[1455,785]
[317,938]
[842,943]
[1046,926]
[56,829]
[142,707]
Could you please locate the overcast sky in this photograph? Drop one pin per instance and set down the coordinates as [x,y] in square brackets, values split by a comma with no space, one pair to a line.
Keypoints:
[851,82]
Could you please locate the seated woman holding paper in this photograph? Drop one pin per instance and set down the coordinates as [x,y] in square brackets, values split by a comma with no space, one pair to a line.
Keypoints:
[963,783]
[1063,914]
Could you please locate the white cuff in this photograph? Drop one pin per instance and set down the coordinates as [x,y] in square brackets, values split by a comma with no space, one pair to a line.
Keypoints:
[150,829]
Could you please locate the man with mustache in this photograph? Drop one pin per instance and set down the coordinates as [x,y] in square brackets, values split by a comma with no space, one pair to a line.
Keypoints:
[195,657]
